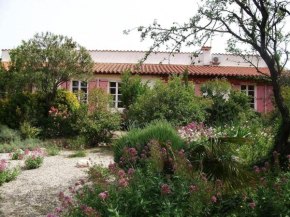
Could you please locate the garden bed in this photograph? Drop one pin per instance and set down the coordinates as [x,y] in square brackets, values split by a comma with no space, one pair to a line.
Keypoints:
[34,192]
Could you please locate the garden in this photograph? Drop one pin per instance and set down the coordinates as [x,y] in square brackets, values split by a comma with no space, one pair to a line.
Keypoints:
[178,154]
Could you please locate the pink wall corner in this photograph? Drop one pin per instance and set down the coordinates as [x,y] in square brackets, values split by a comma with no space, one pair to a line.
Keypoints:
[104,84]
[260,98]
[68,83]
[63,85]
[197,89]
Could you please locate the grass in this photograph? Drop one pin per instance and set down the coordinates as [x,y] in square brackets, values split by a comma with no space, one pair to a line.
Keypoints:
[78,154]
[158,130]
[24,144]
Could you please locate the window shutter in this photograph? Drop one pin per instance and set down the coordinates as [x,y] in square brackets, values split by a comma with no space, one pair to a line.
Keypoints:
[104,84]
[92,84]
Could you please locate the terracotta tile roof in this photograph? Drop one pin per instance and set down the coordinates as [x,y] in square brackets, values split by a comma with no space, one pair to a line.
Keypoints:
[230,71]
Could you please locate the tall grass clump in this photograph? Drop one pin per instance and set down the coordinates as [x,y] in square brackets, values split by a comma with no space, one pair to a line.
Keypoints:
[137,138]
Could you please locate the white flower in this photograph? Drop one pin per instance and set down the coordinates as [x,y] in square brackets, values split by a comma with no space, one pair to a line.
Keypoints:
[205,94]
[213,93]
[226,97]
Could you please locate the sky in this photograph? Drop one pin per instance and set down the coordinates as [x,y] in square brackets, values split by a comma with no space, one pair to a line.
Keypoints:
[95,24]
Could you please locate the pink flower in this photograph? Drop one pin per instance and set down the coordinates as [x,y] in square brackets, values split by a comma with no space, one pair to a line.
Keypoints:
[219,194]
[103,195]
[76,184]
[213,198]
[193,188]
[64,117]
[123,182]
[3,167]
[277,184]
[57,209]
[288,156]
[121,173]
[51,215]
[252,205]
[284,180]
[82,181]
[165,189]
[83,207]
[203,179]
[181,152]
[264,169]
[257,171]
[131,171]
[218,182]
[3,161]
[26,151]
[275,154]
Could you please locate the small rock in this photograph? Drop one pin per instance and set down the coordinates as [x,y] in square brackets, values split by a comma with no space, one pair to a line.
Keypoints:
[84,163]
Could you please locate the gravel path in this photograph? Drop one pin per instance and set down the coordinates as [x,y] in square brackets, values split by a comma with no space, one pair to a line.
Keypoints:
[34,192]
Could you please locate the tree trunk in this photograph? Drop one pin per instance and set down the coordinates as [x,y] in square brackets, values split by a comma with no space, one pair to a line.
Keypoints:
[281,144]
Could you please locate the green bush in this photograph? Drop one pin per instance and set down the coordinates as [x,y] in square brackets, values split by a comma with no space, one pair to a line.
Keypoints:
[32,162]
[139,138]
[79,153]
[77,143]
[21,144]
[8,135]
[95,121]
[131,88]
[27,131]
[228,105]
[173,101]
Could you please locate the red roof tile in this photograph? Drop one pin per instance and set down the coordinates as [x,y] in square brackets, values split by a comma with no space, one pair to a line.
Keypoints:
[162,69]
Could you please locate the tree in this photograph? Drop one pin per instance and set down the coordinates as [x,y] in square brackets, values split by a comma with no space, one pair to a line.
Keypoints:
[259,24]
[131,88]
[48,60]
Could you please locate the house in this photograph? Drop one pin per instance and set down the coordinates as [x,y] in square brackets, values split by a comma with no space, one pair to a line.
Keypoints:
[110,64]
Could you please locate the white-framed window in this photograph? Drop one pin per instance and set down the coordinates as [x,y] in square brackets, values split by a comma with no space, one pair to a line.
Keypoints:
[250,90]
[115,91]
[82,86]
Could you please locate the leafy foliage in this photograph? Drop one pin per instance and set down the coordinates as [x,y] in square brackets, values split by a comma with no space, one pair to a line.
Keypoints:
[48,60]
[139,138]
[131,88]
[95,121]
[228,105]
[173,102]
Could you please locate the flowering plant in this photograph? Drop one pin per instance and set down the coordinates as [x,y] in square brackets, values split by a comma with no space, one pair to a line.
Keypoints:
[6,175]
[34,158]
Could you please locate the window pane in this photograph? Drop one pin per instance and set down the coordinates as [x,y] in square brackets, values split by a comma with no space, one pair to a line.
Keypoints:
[120,104]
[75,89]
[112,84]
[75,83]
[84,90]
[113,90]
[243,87]
[251,93]
[84,84]
[251,87]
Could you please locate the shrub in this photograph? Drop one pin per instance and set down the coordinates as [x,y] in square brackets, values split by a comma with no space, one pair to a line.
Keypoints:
[77,143]
[154,191]
[78,154]
[17,154]
[173,101]
[7,175]
[8,135]
[33,162]
[139,138]
[95,121]
[28,131]
[131,88]
[24,144]
[34,158]
[228,105]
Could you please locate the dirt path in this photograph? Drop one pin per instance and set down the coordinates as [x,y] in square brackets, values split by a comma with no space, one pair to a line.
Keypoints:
[34,192]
